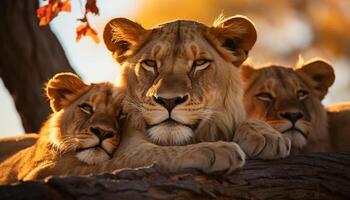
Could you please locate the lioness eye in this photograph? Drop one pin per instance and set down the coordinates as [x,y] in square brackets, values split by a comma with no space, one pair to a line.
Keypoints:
[302,94]
[200,64]
[264,96]
[86,108]
[149,65]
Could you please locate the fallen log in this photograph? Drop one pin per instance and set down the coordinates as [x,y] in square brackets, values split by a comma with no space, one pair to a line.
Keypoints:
[311,176]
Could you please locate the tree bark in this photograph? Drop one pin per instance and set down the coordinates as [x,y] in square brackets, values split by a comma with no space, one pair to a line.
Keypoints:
[312,176]
[29,56]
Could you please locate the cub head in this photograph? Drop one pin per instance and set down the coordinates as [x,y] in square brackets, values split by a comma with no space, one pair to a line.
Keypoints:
[290,100]
[85,117]
[183,78]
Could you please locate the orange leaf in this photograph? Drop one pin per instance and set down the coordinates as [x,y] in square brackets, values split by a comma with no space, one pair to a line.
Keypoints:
[81,30]
[65,6]
[51,10]
[86,30]
[45,14]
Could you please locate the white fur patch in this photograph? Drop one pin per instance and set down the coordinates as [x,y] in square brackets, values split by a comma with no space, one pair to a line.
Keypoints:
[297,139]
[170,134]
[92,156]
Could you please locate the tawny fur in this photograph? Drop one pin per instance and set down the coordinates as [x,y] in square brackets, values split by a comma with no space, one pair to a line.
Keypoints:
[11,145]
[66,141]
[214,92]
[339,126]
[273,90]
[214,103]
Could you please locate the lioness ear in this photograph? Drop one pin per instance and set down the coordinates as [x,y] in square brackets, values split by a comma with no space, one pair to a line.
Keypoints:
[236,34]
[321,73]
[63,88]
[247,72]
[122,35]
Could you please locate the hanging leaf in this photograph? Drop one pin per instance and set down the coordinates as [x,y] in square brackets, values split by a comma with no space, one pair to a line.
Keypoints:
[86,30]
[90,7]
[51,10]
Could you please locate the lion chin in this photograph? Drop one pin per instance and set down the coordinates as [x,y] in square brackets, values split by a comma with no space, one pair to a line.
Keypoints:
[298,140]
[170,133]
[93,156]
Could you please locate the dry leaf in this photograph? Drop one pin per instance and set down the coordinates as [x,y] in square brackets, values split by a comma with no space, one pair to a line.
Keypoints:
[51,10]
[54,7]
[91,7]
[86,30]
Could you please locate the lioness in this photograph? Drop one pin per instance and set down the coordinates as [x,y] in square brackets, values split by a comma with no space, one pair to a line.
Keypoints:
[184,85]
[83,130]
[184,97]
[290,101]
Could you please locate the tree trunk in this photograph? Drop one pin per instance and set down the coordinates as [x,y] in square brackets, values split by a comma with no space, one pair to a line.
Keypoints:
[29,56]
[312,176]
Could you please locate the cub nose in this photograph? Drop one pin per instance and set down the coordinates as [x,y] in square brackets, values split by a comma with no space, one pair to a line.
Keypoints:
[292,116]
[171,103]
[101,133]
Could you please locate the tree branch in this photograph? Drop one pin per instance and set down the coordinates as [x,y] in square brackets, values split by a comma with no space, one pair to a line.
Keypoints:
[311,176]
[29,56]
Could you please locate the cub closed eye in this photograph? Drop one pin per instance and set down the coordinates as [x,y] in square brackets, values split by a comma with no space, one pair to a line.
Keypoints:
[264,96]
[86,108]
[302,94]
[200,64]
[149,65]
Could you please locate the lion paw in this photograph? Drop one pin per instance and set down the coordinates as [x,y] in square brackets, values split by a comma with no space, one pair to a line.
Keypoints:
[260,140]
[215,157]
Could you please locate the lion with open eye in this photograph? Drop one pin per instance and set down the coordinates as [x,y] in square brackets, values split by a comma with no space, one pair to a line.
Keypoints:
[82,131]
[290,101]
[185,95]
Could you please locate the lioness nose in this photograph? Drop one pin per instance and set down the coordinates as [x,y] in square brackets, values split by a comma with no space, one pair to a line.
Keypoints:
[292,116]
[101,133]
[170,104]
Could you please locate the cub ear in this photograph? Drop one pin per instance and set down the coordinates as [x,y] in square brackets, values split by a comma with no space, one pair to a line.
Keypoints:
[237,34]
[63,88]
[320,73]
[247,72]
[122,35]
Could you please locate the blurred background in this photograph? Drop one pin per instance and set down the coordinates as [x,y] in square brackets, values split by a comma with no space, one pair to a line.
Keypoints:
[30,54]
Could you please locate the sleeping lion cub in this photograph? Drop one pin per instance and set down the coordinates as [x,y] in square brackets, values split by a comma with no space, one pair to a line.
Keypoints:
[290,101]
[83,130]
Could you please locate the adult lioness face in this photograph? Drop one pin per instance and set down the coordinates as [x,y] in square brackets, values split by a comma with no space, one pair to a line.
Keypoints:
[182,75]
[290,100]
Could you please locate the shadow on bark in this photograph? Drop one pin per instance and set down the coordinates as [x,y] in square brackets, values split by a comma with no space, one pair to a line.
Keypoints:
[311,176]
